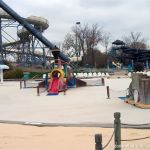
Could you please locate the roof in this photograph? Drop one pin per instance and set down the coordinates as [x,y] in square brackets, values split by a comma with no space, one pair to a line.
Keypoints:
[133,53]
[118,42]
[2,66]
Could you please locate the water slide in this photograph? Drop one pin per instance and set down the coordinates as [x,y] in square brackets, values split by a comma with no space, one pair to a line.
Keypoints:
[24,22]
[39,23]
[118,65]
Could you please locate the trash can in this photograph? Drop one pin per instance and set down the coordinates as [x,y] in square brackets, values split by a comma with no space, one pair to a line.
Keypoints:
[26,75]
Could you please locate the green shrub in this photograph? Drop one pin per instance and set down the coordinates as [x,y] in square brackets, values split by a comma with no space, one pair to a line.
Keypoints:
[8,64]
[138,66]
[36,74]
[13,74]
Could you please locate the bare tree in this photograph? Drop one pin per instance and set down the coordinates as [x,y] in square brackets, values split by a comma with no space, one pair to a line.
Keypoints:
[85,38]
[89,38]
[93,38]
[80,33]
[135,40]
[105,42]
[69,41]
[106,39]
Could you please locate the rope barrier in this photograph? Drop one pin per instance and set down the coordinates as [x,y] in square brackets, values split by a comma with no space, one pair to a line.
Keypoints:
[117,93]
[136,139]
[147,137]
[109,140]
[118,90]
[135,124]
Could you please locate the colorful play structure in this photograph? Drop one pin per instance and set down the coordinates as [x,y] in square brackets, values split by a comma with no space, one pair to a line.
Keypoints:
[57,82]
[62,77]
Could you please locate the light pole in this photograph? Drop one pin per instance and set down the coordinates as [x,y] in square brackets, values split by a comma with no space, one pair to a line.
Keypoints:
[76,47]
[1,48]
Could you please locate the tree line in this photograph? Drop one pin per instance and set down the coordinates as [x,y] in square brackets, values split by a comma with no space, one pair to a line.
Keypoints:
[86,39]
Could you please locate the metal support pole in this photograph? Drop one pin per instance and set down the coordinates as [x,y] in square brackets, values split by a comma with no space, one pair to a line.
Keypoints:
[76,46]
[1,47]
[44,58]
[77,50]
[98,142]
[117,128]
[108,93]
[32,57]
[46,81]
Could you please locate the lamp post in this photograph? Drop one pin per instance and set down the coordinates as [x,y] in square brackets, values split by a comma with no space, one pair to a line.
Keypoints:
[76,46]
[1,48]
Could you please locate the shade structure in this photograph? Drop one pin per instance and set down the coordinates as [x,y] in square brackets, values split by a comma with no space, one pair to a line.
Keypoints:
[2,67]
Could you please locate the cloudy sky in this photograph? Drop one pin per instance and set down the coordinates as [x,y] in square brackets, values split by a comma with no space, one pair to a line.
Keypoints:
[119,17]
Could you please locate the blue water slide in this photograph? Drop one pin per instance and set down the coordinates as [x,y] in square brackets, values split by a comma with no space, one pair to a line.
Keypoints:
[55,50]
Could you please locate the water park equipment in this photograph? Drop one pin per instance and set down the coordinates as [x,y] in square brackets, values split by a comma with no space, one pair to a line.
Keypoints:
[2,67]
[23,49]
[118,65]
[55,50]
[58,55]
[39,22]
[57,81]
[139,94]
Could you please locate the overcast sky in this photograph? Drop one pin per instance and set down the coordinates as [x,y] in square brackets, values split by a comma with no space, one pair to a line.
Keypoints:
[119,17]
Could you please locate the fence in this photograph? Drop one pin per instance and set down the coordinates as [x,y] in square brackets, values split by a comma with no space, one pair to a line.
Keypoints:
[117,134]
[29,84]
[40,85]
[111,93]
[41,88]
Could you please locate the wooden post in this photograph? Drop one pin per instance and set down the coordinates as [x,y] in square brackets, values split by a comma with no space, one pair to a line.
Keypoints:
[21,84]
[144,92]
[98,142]
[108,93]
[103,81]
[25,84]
[38,91]
[117,128]
[65,91]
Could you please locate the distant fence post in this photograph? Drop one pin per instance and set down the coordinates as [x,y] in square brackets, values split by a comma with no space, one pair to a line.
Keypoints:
[108,93]
[20,84]
[38,91]
[117,128]
[103,81]
[98,142]
[25,84]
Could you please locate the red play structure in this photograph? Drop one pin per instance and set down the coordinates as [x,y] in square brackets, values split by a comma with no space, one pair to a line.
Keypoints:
[57,82]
